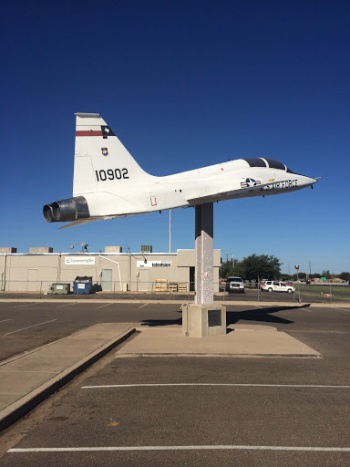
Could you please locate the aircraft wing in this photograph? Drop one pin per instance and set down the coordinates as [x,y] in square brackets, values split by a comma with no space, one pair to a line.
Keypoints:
[75,223]
[87,221]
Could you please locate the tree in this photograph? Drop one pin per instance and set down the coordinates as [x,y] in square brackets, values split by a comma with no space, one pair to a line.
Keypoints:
[301,276]
[259,266]
[228,268]
[345,276]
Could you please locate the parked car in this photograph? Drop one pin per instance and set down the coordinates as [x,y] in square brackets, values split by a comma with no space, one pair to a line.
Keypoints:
[277,286]
[234,284]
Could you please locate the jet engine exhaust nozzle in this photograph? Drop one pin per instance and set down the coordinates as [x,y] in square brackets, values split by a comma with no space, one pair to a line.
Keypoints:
[67,210]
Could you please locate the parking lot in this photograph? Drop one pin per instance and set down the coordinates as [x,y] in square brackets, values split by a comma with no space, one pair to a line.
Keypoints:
[176,410]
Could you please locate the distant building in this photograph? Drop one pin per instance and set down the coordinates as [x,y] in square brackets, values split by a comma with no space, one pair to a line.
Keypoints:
[113,269]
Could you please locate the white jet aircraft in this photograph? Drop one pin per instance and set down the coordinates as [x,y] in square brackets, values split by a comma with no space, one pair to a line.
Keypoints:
[109,183]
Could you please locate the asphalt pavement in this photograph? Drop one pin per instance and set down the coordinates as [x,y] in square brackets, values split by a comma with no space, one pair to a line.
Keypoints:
[28,378]
[294,382]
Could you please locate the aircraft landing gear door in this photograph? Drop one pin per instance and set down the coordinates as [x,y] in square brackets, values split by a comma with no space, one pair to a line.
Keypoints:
[106,280]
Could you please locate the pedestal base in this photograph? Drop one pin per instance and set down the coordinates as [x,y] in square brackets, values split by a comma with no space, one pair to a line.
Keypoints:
[203,320]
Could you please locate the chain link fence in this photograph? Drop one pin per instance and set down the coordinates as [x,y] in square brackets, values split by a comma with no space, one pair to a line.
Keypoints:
[162,289]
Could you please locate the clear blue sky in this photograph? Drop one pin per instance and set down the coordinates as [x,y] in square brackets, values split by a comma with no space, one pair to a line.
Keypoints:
[183,84]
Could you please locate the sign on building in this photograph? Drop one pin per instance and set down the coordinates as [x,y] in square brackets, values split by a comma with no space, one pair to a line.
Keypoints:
[79,260]
[153,264]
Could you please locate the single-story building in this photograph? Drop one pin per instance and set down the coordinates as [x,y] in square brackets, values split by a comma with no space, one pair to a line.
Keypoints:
[112,270]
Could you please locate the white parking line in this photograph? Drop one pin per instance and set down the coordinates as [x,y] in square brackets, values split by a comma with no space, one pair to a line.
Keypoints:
[4,320]
[28,327]
[338,308]
[185,448]
[105,305]
[244,385]
[67,305]
[142,306]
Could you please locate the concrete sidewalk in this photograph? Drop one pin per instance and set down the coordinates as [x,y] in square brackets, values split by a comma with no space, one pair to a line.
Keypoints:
[247,340]
[27,379]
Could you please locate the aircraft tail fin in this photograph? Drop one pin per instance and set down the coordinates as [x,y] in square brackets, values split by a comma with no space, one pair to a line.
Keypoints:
[101,162]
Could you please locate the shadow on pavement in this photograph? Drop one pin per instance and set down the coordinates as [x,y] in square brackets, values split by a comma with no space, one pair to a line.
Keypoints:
[261,315]
[264,315]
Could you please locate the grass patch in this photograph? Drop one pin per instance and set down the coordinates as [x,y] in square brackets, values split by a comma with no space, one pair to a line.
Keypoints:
[336,291]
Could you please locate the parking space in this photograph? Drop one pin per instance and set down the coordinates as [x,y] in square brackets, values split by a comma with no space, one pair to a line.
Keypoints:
[165,411]
[25,326]
[198,411]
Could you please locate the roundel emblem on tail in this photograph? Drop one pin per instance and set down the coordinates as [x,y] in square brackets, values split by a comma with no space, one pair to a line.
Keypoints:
[104,151]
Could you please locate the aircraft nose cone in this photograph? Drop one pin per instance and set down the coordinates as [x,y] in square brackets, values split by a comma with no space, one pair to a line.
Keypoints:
[313,180]
[309,180]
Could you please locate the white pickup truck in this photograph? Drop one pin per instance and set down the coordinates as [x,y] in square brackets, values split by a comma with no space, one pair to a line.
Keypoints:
[234,284]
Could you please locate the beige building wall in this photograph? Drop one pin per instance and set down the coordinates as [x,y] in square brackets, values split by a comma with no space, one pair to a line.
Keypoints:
[114,271]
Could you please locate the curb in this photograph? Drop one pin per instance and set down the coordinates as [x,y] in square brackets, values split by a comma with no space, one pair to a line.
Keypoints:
[21,407]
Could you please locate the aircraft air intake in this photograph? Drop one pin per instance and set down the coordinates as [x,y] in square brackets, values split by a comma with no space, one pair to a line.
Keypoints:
[67,210]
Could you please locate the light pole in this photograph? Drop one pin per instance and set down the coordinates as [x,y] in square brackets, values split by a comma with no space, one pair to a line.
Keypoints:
[297,270]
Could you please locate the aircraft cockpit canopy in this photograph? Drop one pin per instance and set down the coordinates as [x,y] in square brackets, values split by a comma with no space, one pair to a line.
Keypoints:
[266,162]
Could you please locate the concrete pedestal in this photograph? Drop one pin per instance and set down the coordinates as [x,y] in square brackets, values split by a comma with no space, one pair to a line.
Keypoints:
[203,320]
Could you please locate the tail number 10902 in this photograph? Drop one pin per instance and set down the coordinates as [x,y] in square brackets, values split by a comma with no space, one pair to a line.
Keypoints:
[111,174]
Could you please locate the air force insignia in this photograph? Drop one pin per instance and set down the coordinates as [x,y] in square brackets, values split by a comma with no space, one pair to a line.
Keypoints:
[249,182]
[104,151]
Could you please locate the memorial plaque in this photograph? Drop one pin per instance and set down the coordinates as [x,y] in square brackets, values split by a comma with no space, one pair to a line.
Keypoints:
[214,318]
